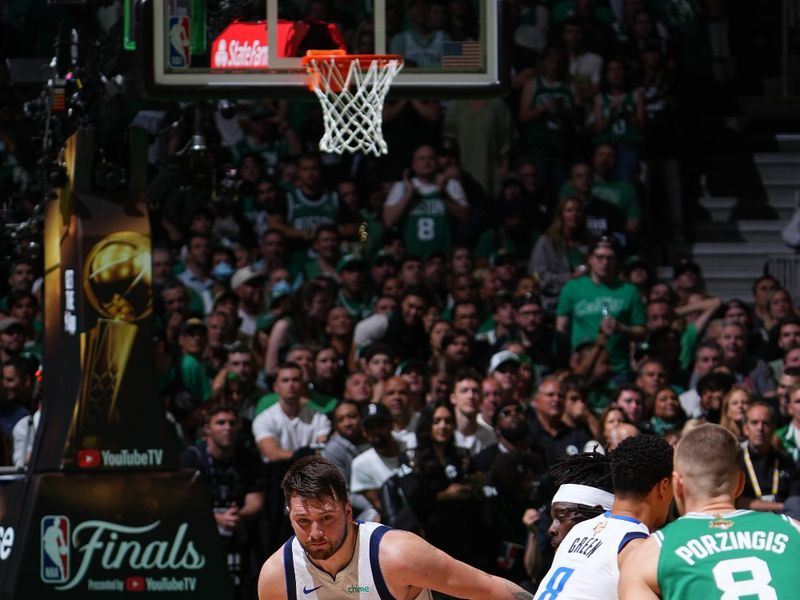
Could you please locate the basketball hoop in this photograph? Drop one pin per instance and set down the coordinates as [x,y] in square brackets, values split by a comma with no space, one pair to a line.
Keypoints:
[351,89]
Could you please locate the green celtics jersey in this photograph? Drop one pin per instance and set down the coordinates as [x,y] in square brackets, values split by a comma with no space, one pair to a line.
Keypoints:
[743,555]
[620,126]
[426,227]
[306,215]
[545,135]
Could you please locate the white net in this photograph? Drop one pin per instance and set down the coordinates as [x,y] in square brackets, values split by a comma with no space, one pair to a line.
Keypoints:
[352,93]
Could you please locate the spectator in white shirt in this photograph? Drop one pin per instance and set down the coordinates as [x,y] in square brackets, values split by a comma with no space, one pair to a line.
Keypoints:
[287,426]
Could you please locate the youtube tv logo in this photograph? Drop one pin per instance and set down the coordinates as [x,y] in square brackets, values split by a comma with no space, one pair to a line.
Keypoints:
[134,584]
[88,459]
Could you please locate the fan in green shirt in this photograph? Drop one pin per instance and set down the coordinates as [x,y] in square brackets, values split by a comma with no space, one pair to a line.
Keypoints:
[600,302]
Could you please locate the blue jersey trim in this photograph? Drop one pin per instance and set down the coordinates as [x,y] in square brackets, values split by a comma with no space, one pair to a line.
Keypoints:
[610,515]
[629,537]
[288,570]
[374,563]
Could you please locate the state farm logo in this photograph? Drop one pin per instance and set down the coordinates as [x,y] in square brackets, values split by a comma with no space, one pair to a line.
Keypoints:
[104,547]
[151,457]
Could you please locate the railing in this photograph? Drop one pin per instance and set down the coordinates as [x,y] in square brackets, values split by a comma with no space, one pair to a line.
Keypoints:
[786,269]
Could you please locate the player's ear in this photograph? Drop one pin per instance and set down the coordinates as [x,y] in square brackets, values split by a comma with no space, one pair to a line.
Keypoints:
[677,484]
[665,487]
[348,510]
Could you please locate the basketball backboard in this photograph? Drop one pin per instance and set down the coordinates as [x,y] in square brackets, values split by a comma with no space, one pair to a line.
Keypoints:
[222,48]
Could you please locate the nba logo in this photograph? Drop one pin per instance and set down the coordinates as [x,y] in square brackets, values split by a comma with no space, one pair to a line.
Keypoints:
[180,41]
[55,549]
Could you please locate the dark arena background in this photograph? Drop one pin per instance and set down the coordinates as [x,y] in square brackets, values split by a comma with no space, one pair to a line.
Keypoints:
[172,234]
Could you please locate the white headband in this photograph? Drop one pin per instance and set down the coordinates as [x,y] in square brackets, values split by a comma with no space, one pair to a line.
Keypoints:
[584,494]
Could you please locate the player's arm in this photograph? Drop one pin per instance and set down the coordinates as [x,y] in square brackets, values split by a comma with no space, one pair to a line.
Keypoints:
[759,505]
[409,561]
[638,579]
[399,200]
[271,580]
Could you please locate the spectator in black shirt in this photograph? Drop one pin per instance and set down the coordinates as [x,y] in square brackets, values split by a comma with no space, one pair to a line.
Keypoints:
[234,480]
[771,481]
[550,436]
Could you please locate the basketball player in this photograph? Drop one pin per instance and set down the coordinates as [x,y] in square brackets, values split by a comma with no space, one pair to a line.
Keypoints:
[587,563]
[714,550]
[584,492]
[333,557]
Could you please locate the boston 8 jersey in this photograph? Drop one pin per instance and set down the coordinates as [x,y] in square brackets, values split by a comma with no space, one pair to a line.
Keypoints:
[743,554]
[361,579]
[585,566]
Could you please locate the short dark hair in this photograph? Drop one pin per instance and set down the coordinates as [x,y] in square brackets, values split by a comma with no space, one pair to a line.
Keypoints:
[708,344]
[418,291]
[790,320]
[217,406]
[23,366]
[449,337]
[463,374]
[576,382]
[16,295]
[528,298]
[314,477]
[765,277]
[715,382]
[629,387]
[288,365]
[639,463]
[792,371]
[329,227]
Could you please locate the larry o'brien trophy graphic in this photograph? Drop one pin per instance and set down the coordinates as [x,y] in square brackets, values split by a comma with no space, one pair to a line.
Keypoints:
[103,507]
[116,282]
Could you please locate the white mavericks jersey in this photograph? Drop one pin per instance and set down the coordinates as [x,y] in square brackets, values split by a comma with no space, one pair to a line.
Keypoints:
[361,579]
[585,566]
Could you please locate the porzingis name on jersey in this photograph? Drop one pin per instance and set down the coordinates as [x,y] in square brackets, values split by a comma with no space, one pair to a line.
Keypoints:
[707,545]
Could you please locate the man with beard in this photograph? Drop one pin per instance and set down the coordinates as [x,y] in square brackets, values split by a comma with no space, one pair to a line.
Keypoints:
[511,427]
[371,468]
[334,557]
[347,442]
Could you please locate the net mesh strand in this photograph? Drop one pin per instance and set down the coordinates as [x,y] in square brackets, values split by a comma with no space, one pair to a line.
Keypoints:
[352,102]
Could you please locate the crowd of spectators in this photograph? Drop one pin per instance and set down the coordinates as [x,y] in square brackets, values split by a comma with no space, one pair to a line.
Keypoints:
[447,322]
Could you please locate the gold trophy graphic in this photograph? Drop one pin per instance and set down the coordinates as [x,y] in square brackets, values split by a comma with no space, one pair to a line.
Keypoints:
[116,281]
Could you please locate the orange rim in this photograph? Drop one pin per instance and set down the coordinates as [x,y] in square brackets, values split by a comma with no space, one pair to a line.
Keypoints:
[342,61]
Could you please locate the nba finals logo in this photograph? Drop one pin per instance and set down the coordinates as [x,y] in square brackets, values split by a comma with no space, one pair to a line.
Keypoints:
[55,549]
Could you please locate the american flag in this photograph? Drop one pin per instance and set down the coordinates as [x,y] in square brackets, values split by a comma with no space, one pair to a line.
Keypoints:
[461,55]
